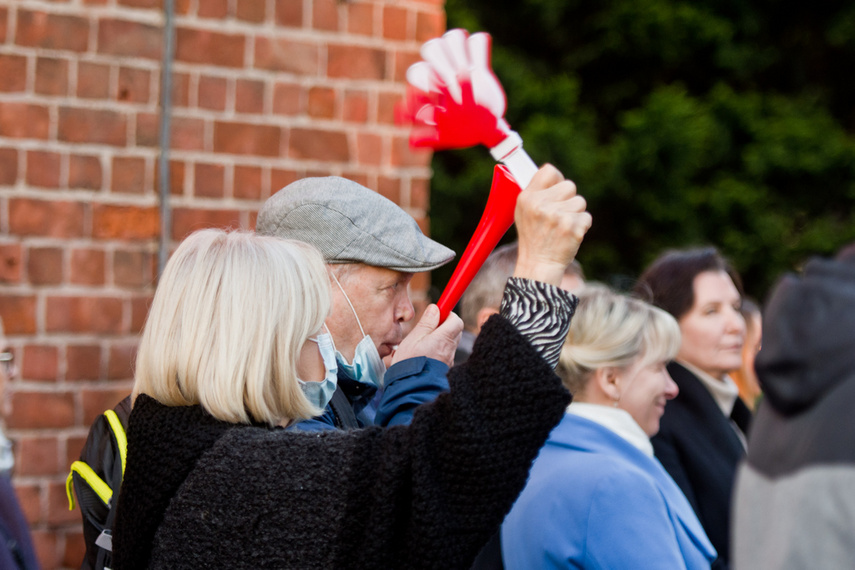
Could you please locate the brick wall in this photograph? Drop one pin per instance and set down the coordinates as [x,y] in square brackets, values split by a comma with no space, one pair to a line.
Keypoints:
[265,92]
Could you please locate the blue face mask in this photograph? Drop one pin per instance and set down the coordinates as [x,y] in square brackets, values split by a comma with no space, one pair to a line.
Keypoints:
[320,393]
[367,366]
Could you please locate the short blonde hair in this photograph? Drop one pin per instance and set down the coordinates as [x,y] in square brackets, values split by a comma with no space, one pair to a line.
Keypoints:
[614,330]
[229,317]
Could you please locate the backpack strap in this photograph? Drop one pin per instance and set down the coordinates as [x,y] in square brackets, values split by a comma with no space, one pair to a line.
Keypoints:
[121,436]
[343,410]
[102,489]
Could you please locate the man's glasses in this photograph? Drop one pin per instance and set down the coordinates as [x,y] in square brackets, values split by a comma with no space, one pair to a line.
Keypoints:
[7,359]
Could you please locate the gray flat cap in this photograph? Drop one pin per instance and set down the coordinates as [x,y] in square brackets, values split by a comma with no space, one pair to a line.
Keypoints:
[349,223]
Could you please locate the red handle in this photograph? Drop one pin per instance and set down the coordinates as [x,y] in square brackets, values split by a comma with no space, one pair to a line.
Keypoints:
[495,222]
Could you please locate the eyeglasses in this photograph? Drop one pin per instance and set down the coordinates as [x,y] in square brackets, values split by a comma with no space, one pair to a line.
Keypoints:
[7,359]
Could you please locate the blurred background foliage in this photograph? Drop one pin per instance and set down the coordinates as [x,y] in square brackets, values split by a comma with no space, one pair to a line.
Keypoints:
[723,122]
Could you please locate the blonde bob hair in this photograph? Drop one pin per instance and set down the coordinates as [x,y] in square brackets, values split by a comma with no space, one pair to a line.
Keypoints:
[229,317]
[614,330]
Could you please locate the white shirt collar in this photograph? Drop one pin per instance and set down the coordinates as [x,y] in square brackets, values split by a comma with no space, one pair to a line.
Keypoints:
[616,420]
[724,391]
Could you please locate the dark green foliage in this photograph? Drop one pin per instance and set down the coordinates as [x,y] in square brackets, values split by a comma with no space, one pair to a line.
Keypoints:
[720,122]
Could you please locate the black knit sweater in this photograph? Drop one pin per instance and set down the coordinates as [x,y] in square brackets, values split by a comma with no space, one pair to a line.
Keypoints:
[199,493]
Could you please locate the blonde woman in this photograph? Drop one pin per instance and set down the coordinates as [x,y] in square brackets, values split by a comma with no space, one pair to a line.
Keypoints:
[234,348]
[596,496]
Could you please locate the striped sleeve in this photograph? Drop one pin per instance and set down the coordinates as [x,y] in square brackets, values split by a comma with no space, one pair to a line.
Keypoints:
[541,313]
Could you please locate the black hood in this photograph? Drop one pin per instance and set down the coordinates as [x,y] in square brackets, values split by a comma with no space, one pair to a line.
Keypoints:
[808,335]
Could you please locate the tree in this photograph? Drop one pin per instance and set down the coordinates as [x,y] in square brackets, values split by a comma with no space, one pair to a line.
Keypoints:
[683,123]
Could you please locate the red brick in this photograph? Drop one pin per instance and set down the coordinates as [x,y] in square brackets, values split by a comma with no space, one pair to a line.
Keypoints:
[245,138]
[356,62]
[289,13]
[44,266]
[286,98]
[404,155]
[84,172]
[10,262]
[282,54]
[43,169]
[188,220]
[13,73]
[83,362]
[213,48]
[37,456]
[102,315]
[18,313]
[93,80]
[95,402]
[176,177]
[73,447]
[253,220]
[281,178]
[218,9]
[45,218]
[389,188]
[250,10]
[29,497]
[128,175]
[249,96]
[139,312]
[429,25]
[87,266]
[52,31]
[369,149]
[357,177]
[131,39]
[75,549]
[209,180]
[92,126]
[386,107]
[32,410]
[212,93]
[51,76]
[148,129]
[4,18]
[8,166]
[121,363]
[322,102]
[46,547]
[134,85]
[125,222]
[247,183]
[420,193]
[180,90]
[58,512]
[394,23]
[20,120]
[132,268]
[360,18]
[356,106]
[187,133]
[403,61]
[325,14]
[315,144]
[39,363]
[141,3]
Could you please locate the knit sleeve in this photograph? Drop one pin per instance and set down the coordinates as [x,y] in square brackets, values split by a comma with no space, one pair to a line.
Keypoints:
[541,312]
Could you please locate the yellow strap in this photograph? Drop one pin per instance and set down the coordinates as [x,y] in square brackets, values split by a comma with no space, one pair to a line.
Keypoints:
[103,490]
[119,432]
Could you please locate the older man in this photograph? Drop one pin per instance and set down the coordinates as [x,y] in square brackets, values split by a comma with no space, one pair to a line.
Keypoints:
[372,249]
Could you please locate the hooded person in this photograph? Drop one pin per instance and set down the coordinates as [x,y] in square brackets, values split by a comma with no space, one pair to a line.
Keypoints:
[793,504]
[372,248]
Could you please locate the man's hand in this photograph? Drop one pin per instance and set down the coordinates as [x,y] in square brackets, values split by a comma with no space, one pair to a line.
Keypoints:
[551,222]
[428,339]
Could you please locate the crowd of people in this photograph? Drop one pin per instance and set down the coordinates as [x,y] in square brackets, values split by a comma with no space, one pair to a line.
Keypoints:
[559,424]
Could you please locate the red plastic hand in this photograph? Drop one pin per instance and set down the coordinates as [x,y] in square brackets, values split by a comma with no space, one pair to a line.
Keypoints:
[439,122]
[497,219]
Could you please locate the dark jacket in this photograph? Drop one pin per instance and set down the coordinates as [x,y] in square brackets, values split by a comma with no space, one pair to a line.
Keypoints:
[16,546]
[699,448]
[794,505]
[199,493]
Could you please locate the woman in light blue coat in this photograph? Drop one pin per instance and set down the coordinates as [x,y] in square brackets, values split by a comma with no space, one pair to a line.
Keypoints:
[596,496]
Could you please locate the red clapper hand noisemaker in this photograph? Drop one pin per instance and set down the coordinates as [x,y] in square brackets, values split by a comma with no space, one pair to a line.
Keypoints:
[456,101]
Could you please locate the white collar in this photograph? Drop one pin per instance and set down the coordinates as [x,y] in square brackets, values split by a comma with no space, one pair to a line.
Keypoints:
[724,391]
[616,420]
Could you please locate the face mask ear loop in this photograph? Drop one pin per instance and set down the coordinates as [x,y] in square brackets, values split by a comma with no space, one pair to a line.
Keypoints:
[346,298]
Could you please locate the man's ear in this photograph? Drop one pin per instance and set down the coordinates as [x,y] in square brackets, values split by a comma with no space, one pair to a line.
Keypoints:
[484,314]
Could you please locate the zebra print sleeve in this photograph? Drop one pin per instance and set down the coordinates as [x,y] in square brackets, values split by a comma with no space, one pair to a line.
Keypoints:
[541,312]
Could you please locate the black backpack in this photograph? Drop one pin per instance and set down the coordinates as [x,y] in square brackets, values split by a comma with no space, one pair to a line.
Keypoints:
[96,478]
